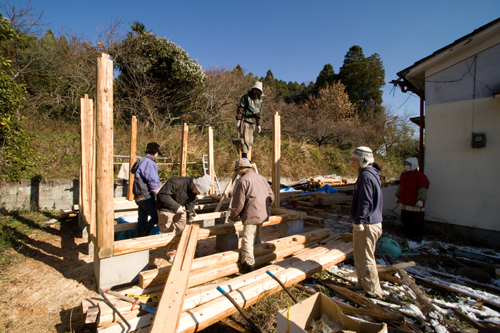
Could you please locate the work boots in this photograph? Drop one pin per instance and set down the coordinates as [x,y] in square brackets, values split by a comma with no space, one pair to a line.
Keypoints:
[246,268]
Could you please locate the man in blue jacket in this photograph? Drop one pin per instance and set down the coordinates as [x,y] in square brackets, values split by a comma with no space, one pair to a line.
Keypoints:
[146,186]
[366,215]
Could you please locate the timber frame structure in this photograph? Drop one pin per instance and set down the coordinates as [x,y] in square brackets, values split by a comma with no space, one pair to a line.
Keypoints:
[97,204]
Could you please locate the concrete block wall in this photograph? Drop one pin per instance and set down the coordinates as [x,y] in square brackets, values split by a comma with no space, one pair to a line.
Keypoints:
[46,194]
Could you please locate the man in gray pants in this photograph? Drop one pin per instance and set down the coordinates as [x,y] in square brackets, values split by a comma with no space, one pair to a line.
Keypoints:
[252,196]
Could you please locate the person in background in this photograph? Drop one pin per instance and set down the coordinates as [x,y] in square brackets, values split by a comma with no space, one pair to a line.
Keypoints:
[366,215]
[249,117]
[252,196]
[174,200]
[146,186]
[412,195]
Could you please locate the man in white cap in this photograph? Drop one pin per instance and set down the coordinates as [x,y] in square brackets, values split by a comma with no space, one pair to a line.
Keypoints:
[366,215]
[176,198]
[252,196]
[249,117]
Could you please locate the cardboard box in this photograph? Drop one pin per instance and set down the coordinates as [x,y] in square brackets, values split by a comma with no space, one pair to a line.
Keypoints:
[302,315]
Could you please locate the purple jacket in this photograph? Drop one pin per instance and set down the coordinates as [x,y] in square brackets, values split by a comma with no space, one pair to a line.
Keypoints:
[146,178]
[367,201]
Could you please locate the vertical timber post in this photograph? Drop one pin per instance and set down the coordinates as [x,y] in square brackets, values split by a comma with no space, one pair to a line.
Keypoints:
[184,149]
[276,159]
[104,158]
[133,150]
[86,141]
[211,157]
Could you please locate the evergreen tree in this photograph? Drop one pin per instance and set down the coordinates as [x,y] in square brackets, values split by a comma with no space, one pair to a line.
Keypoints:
[156,77]
[326,76]
[363,78]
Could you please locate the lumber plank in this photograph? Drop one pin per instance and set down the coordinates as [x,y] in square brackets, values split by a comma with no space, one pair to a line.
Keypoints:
[135,323]
[158,276]
[170,305]
[213,311]
[394,267]
[204,294]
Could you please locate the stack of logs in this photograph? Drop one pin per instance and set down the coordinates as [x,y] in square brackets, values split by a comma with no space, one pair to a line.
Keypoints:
[318,202]
[203,305]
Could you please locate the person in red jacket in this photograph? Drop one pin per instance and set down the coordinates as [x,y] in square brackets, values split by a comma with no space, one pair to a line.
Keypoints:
[411,196]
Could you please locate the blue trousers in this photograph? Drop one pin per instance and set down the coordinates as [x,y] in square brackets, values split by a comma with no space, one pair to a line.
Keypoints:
[147,207]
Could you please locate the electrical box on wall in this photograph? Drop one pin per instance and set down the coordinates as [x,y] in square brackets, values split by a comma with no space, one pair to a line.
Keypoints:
[478,140]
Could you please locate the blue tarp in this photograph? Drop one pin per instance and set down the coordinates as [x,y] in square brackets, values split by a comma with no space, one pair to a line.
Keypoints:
[127,234]
[324,189]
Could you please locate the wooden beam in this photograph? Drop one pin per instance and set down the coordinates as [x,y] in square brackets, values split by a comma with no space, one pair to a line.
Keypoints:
[204,294]
[104,161]
[276,175]
[157,276]
[211,157]
[383,269]
[86,140]
[170,306]
[155,241]
[133,153]
[207,314]
[185,130]
[226,191]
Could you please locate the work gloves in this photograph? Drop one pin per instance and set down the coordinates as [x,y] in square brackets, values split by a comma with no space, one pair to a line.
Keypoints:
[358,227]
[259,129]
[419,204]
[180,210]
[238,123]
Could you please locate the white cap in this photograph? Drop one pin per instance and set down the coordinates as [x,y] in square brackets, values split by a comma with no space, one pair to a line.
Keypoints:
[258,85]
[364,155]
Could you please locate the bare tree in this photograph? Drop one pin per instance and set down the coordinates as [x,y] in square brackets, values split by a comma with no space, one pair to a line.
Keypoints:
[23,19]
[324,117]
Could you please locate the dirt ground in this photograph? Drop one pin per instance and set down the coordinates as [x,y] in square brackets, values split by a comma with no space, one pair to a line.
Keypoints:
[43,292]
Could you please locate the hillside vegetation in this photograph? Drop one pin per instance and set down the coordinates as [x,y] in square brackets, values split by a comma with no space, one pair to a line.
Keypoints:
[43,77]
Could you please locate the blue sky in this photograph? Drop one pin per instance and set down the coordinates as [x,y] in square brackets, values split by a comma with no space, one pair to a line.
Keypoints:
[294,39]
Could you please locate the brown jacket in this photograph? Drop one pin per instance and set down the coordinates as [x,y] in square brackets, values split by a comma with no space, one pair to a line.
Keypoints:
[252,196]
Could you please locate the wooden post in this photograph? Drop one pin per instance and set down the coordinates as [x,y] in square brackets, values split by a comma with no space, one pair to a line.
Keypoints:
[133,149]
[104,158]
[211,157]
[276,159]
[184,149]
[86,140]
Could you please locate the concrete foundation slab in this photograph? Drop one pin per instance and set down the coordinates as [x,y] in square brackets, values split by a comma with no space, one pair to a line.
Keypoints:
[119,270]
[291,228]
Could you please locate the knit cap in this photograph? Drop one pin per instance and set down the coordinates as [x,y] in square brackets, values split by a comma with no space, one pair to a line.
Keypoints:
[203,184]
[364,155]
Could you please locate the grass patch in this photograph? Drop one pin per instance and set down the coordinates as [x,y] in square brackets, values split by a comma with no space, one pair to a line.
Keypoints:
[15,231]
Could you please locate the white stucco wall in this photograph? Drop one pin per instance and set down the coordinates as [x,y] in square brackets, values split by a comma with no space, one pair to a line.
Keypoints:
[465,182]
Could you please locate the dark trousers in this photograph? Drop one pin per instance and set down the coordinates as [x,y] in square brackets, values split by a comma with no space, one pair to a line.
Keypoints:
[147,207]
[413,224]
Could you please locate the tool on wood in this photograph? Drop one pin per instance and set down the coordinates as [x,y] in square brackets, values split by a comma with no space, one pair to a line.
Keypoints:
[106,300]
[145,298]
[134,301]
[191,215]
[243,313]
[282,286]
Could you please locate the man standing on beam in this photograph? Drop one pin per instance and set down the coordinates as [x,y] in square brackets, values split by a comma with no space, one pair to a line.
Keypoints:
[249,117]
